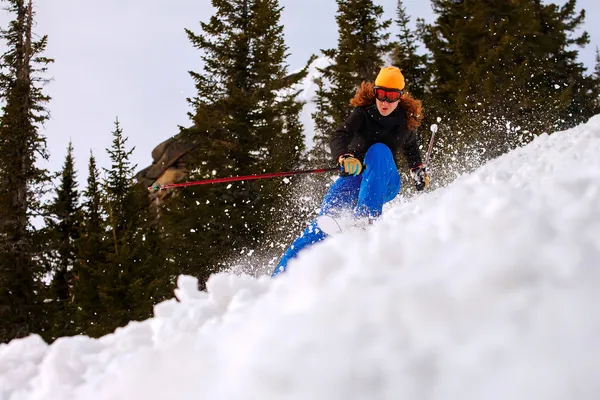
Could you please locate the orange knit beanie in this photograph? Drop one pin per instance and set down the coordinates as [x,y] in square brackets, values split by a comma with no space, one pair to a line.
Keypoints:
[391,78]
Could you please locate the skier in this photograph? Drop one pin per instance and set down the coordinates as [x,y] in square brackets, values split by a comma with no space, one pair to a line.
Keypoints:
[382,123]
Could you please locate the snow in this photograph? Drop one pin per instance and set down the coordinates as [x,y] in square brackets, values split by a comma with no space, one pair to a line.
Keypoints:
[485,289]
[307,95]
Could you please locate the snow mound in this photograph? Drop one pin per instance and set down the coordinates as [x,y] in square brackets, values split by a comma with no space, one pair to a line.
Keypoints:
[485,289]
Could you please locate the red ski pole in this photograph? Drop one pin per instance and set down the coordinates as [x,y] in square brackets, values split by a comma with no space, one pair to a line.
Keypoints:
[156,188]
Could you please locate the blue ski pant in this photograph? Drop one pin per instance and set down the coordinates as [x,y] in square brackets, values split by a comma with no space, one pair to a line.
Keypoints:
[364,194]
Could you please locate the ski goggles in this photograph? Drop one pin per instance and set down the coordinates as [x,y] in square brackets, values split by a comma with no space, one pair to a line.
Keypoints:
[389,95]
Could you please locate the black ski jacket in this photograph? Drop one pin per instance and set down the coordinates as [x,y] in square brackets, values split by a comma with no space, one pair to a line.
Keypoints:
[365,126]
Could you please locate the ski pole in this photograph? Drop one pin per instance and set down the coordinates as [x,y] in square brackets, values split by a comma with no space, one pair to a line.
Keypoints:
[434,129]
[158,187]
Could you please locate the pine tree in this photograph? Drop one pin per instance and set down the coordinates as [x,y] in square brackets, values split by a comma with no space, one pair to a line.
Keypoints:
[133,278]
[154,277]
[63,224]
[502,70]
[93,248]
[246,121]
[597,76]
[597,67]
[562,37]
[362,44]
[21,146]
[118,188]
[122,220]
[414,67]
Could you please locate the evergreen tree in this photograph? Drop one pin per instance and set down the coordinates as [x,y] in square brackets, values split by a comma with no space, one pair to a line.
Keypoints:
[578,94]
[503,69]
[133,278]
[21,145]
[122,220]
[413,66]
[246,121]
[155,278]
[93,248]
[63,224]
[362,44]
[597,76]
[118,189]
[597,68]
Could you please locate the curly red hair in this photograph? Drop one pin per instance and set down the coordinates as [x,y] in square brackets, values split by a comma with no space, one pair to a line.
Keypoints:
[414,110]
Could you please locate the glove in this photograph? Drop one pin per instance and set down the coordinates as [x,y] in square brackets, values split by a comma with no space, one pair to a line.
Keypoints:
[350,164]
[419,175]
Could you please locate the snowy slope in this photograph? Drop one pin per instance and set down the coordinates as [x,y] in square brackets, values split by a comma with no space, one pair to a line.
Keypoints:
[486,289]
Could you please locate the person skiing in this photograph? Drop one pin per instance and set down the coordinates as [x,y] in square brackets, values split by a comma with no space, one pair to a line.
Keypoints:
[382,124]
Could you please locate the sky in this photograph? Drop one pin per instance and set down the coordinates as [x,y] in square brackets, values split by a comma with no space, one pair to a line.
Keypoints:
[484,289]
[129,59]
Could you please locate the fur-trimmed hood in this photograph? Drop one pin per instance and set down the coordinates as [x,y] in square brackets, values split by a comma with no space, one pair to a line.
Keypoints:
[365,96]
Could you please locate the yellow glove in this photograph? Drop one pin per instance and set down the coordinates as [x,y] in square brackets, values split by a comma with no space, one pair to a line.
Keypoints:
[420,176]
[350,164]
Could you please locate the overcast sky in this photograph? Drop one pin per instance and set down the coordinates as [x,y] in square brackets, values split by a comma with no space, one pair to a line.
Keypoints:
[129,59]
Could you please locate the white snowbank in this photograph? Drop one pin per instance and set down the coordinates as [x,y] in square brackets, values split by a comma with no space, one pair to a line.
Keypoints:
[486,289]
